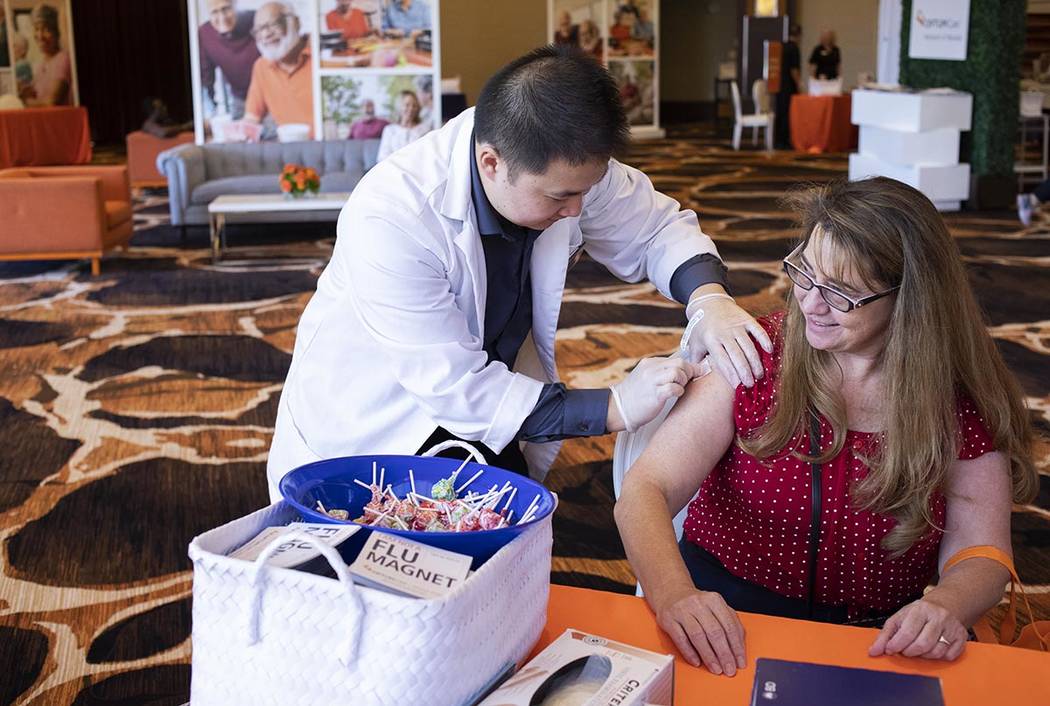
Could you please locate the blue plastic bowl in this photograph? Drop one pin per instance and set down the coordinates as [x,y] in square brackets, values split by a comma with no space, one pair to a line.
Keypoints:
[332,482]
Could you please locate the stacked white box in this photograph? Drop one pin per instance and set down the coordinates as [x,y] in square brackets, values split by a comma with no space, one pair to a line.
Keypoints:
[914,138]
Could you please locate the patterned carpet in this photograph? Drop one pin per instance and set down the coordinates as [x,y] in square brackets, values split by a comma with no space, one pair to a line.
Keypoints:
[137,409]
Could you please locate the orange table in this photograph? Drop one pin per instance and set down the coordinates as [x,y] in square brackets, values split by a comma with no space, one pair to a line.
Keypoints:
[44,136]
[822,124]
[983,675]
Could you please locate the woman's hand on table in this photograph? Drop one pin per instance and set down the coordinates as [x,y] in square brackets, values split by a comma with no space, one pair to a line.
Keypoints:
[704,629]
[922,628]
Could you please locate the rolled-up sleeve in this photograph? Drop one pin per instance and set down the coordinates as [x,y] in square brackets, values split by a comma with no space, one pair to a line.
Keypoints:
[694,272]
[564,414]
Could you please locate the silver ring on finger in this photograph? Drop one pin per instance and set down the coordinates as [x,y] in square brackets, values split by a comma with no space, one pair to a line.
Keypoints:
[945,641]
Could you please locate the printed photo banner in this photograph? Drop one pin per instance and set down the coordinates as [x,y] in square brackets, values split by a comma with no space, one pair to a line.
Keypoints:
[37,63]
[623,35]
[314,69]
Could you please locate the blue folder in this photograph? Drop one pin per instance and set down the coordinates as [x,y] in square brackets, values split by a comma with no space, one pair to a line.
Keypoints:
[784,683]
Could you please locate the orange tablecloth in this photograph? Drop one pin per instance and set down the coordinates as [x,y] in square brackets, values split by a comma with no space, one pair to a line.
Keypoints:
[983,675]
[821,124]
[44,136]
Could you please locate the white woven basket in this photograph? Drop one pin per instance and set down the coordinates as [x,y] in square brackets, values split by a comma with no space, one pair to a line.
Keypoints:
[267,635]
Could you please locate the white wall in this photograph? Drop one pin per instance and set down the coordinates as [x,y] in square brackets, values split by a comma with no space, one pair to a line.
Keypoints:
[856,26]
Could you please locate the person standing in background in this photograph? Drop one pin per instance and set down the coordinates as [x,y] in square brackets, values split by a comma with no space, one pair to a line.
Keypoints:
[825,60]
[790,83]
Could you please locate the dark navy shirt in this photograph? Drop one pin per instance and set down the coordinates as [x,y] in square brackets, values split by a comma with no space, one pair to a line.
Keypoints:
[559,413]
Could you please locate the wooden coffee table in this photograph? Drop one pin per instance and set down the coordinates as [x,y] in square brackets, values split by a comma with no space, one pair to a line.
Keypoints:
[226,208]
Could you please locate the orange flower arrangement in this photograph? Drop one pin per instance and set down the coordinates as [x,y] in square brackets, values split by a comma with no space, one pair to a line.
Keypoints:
[297,180]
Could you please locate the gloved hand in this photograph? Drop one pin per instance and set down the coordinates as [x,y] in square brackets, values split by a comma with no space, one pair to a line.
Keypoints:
[642,394]
[724,332]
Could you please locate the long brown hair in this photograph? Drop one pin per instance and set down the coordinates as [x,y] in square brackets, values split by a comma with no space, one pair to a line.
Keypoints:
[936,348]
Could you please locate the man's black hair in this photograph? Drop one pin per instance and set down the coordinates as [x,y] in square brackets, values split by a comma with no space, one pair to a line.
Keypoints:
[553,103]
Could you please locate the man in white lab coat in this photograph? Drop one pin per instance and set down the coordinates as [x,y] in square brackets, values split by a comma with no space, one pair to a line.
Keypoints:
[435,318]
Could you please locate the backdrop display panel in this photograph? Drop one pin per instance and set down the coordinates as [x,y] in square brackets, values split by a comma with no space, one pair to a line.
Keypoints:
[623,35]
[371,34]
[302,69]
[37,58]
[358,107]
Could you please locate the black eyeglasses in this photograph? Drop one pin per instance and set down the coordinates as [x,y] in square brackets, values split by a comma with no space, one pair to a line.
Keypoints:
[834,298]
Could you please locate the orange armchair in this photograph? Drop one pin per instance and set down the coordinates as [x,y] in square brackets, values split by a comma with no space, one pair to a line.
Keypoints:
[64,213]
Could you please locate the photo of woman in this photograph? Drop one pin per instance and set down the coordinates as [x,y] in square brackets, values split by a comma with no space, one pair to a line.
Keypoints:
[41,53]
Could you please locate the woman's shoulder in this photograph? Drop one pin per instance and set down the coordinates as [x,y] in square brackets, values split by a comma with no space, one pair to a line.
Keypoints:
[773,323]
[752,405]
[974,438]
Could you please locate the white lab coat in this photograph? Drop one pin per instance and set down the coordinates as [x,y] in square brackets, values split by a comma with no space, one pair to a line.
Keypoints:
[390,346]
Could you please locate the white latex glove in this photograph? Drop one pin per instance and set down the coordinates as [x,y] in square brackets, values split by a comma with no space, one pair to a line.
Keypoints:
[642,394]
[724,332]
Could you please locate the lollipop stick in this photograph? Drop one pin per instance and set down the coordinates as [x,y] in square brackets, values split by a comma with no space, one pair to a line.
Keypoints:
[509,499]
[455,473]
[472,479]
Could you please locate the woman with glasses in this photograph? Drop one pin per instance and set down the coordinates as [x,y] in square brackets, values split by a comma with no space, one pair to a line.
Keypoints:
[886,435]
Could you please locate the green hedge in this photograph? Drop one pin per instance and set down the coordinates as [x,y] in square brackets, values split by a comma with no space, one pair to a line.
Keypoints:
[991,73]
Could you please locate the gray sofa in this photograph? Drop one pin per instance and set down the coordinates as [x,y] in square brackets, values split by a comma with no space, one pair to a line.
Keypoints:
[197,174]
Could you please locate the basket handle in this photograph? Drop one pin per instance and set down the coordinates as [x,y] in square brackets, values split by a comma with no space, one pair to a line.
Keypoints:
[454,443]
[342,571]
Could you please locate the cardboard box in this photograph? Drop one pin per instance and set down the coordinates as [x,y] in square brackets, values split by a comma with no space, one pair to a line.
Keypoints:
[587,670]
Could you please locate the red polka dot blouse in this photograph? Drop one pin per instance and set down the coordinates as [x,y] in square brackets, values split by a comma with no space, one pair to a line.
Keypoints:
[755,518]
